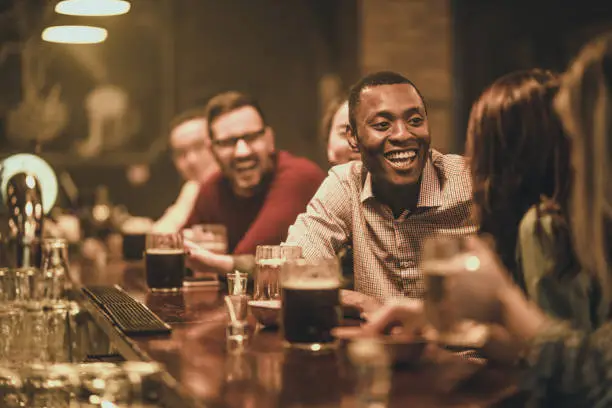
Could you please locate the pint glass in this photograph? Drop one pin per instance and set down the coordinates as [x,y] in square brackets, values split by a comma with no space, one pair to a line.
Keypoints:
[310,293]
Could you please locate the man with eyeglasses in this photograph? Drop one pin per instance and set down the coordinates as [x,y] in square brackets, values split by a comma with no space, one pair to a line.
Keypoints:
[259,191]
[192,156]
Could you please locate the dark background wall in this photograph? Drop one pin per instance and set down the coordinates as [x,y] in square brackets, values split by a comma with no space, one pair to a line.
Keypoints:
[493,38]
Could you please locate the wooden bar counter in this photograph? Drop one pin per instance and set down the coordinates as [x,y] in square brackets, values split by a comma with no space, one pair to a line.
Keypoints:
[200,373]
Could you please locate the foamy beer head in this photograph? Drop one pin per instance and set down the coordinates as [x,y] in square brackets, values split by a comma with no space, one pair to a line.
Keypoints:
[134,231]
[212,237]
[165,261]
[268,261]
[165,268]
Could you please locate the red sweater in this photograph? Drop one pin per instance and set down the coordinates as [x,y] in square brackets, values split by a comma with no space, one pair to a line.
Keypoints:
[265,218]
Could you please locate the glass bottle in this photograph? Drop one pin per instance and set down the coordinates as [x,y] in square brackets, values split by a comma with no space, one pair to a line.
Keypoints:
[55,269]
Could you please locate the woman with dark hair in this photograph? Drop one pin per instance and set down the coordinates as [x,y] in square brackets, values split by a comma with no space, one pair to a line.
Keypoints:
[566,367]
[519,158]
[333,132]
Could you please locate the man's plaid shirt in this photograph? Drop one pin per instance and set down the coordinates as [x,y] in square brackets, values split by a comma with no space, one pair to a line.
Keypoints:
[386,250]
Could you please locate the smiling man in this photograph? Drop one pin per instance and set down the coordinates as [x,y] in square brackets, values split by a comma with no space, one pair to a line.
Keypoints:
[259,192]
[401,192]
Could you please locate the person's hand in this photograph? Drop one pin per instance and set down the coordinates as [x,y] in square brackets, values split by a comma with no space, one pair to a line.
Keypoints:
[404,316]
[364,305]
[472,288]
[200,259]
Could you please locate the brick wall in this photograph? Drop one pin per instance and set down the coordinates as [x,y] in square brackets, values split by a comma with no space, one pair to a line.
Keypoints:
[413,37]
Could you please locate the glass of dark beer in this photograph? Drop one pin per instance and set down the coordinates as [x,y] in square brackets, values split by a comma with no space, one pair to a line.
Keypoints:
[310,296]
[165,262]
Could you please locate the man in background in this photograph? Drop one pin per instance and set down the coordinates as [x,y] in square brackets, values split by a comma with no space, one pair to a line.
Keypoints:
[259,191]
[191,154]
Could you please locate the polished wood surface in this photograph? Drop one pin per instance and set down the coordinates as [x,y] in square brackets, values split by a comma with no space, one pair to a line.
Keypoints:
[269,375]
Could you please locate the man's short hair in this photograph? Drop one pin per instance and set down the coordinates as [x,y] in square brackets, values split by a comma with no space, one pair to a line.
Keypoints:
[198,112]
[227,102]
[375,79]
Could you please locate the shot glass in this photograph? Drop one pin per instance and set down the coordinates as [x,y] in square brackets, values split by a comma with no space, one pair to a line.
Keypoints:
[239,305]
[237,283]
[237,336]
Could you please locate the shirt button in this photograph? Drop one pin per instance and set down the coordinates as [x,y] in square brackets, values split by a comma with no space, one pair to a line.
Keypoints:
[408,264]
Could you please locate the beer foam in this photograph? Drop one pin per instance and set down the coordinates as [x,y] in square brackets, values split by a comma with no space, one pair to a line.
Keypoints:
[269,304]
[165,251]
[271,262]
[319,284]
[445,267]
[137,225]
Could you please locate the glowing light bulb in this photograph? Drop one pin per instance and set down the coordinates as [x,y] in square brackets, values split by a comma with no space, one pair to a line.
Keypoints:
[92,7]
[73,34]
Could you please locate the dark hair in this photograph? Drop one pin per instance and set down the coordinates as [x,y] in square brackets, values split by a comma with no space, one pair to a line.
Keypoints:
[198,112]
[328,117]
[517,152]
[227,102]
[375,79]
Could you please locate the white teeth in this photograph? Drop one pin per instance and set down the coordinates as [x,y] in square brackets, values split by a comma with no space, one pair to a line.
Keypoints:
[402,155]
[245,166]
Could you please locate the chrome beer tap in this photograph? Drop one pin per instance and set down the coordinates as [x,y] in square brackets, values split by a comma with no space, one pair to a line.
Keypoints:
[28,188]
[26,216]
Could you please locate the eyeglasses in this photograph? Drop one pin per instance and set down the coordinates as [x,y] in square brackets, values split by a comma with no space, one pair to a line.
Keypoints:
[232,141]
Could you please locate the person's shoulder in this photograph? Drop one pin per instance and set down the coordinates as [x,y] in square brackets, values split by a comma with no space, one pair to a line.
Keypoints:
[209,184]
[450,165]
[348,173]
[288,161]
[543,220]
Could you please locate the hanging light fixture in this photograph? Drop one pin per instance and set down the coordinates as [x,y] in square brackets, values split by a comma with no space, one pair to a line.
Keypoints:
[93,7]
[74,34]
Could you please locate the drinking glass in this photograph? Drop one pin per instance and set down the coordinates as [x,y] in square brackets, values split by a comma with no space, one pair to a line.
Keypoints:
[14,286]
[145,382]
[237,283]
[55,269]
[53,385]
[102,382]
[57,320]
[268,261]
[212,237]
[10,333]
[11,389]
[310,302]
[446,259]
[165,262]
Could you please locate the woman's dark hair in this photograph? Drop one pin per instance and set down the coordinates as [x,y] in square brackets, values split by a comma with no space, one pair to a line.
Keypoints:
[518,154]
[328,116]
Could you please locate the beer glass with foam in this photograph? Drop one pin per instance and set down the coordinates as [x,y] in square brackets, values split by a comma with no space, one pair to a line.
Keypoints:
[310,296]
[451,272]
[165,262]
[268,261]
